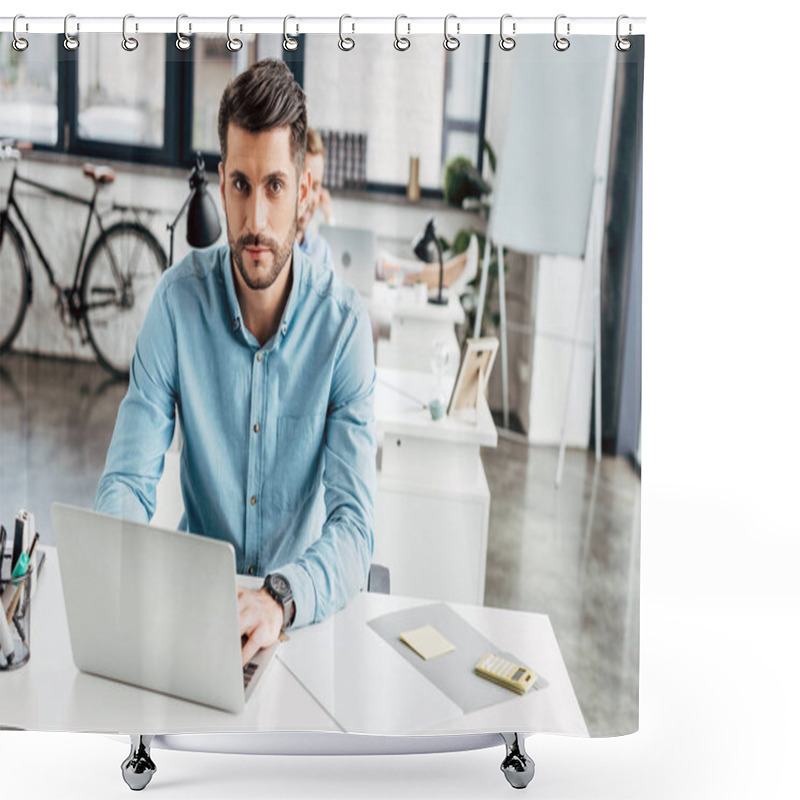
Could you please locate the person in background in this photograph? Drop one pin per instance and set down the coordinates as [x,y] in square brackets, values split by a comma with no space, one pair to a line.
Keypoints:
[311,243]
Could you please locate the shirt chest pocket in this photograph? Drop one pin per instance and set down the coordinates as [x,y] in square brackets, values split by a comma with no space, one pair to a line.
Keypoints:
[301,444]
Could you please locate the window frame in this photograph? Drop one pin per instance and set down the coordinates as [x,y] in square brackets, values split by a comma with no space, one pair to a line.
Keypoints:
[452,124]
[61,100]
[176,150]
[168,154]
[294,60]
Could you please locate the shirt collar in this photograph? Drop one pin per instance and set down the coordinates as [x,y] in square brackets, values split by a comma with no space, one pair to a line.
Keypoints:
[298,274]
[298,270]
[226,268]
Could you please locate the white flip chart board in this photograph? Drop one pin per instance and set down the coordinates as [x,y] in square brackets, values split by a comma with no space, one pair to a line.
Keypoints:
[543,187]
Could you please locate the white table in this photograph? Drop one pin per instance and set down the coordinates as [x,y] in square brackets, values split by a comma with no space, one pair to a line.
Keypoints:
[50,694]
[432,504]
[414,325]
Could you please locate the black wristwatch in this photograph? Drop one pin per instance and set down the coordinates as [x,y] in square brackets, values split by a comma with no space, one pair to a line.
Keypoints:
[279,590]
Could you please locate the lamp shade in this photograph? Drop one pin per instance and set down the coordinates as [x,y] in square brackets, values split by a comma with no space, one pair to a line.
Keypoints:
[426,241]
[426,245]
[202,223]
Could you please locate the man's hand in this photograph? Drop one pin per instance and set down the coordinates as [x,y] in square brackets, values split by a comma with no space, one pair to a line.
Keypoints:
[260,620]
[326,204]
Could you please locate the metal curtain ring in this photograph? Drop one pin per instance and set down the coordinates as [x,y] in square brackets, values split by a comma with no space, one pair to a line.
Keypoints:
[401,43]
[234,45]
[19,44]
[451,42]
[289,43]
[622,44]
[507,42]
[128,42]
[561,43]
[181,41]
[345,42]
[70,42]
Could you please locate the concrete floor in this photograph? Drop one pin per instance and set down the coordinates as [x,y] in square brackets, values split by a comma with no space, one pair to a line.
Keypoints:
[572,553]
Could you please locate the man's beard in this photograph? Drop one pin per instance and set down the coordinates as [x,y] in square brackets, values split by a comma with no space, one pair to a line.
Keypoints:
[280,256]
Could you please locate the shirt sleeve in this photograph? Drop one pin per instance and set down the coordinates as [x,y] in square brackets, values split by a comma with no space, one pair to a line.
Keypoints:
[145,421]
[327,255]
[335,567]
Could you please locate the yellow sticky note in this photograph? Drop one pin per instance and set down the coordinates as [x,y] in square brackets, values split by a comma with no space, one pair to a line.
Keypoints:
[427,642]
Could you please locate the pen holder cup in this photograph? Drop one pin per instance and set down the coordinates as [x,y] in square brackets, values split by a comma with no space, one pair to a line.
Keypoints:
[15,626]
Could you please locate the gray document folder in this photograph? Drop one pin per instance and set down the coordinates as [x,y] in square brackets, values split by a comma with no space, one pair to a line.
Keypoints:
[454,673]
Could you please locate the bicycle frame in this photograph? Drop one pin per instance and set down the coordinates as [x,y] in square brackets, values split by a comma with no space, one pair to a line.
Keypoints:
[105,270]
[91,204]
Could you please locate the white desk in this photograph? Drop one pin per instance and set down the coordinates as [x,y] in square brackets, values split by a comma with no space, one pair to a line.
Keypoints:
[414,325]
[50,694]
[432,504]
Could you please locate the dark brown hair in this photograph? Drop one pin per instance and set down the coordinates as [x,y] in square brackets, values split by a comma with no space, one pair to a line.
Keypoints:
[262,97]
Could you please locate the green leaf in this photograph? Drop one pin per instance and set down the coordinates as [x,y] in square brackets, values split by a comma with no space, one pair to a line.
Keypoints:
[491,155]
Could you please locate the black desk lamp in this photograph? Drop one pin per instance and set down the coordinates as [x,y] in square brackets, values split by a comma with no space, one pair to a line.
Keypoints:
[202,223]
[422,250]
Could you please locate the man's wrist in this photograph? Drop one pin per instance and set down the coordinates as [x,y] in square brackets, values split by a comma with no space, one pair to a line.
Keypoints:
[278,588]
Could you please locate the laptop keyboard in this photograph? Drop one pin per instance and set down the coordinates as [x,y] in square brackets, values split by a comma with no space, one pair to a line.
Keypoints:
[248,671]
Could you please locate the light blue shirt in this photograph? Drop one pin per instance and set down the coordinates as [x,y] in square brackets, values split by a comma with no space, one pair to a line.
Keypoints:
[278,453]
[317,249]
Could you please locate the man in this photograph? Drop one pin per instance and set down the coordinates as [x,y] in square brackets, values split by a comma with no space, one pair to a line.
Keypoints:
[268,360]
[311,242]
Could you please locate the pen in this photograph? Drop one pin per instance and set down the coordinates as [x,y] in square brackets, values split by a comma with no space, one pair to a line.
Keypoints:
[2,548]
[22,566]
[19,528]
[34,564]
[7,595]
[14,603]
[6,640]
[15,600]
[24,560]
[404,394]
[33,547]
[21,632]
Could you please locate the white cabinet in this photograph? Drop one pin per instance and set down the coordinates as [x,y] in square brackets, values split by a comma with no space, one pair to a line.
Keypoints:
[432,504]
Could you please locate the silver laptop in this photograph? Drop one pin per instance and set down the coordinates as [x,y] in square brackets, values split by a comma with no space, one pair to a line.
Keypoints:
[353,252]
[154,608]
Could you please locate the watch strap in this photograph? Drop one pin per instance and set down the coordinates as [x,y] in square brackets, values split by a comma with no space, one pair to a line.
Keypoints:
[283,598]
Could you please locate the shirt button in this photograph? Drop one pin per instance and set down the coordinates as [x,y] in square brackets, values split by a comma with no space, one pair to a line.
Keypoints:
[258,357]
[251,570]
[256,427]
[236,324]
[253,500]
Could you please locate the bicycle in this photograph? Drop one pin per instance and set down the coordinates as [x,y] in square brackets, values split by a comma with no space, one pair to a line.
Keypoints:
[112,286]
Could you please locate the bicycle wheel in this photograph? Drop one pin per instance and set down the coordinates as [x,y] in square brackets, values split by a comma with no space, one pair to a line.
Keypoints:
[122,270]
[15,283]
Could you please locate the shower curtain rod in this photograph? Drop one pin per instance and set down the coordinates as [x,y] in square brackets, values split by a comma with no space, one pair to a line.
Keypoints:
[294,25]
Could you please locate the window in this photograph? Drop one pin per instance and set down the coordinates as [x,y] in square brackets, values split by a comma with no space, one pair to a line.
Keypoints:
[29,87]
[121,94]
[464,101]
[214,66]
[85,102]
[435,113]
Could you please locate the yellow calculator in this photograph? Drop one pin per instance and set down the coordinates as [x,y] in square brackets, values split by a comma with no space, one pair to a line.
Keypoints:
[506,673]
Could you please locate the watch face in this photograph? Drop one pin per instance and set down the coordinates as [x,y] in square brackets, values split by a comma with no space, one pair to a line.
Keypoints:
[280,585]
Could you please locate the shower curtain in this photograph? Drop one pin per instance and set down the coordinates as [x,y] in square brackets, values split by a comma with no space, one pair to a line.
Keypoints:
[455,414]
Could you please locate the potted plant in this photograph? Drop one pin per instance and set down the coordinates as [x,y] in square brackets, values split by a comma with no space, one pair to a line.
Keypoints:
[465,187]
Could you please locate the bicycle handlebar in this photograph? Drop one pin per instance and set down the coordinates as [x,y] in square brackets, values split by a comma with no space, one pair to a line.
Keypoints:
[10,149]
